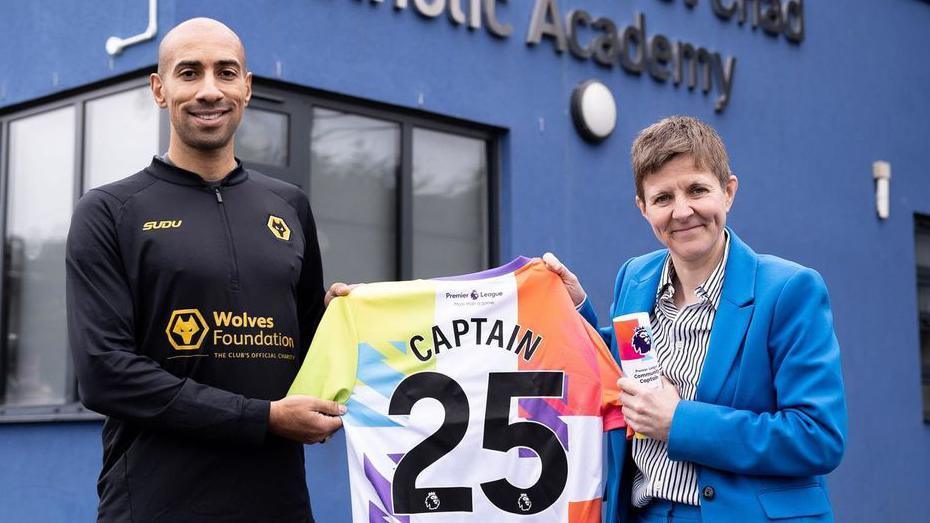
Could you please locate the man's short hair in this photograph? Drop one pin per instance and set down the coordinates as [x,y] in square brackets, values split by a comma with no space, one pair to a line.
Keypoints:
[670,137]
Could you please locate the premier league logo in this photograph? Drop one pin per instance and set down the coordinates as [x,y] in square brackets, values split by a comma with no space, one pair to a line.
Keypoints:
[524,502]
[432,501]
[641,342]
[474,295]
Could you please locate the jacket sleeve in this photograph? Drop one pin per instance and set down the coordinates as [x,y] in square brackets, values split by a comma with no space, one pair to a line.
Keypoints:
[113,378]
[806,432]
[588,313]
[310,291]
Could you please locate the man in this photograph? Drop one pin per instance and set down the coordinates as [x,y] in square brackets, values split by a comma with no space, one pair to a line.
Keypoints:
[194,288]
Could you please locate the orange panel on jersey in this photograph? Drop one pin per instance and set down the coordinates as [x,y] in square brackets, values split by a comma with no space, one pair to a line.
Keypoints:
[584,511]
[542,302]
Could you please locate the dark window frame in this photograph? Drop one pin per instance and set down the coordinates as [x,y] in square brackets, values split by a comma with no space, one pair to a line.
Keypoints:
[273,95]
[922,227]
[296,101]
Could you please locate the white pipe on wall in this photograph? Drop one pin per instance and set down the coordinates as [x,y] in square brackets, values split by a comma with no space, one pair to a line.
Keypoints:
[115,44]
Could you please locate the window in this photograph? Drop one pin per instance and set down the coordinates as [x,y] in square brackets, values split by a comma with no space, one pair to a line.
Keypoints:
[262,137]
[52,154]
[354,164]
[396,194]
[450,174]
[121,133]
[922,250]
[40,195]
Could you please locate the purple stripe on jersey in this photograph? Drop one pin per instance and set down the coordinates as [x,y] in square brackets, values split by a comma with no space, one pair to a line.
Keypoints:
[517,262]
[396,457]
[375,514]
[383,488]
[538,409]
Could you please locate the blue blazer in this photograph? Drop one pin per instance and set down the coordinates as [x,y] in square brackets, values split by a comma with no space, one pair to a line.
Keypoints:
[769,416]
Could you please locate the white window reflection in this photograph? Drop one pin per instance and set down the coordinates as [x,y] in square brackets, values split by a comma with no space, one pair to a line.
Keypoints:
[262,137]
[450,209]
[121,136]
[353,182]
[40,198]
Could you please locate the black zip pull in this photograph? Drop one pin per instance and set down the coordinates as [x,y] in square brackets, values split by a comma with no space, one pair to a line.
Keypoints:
[219,198]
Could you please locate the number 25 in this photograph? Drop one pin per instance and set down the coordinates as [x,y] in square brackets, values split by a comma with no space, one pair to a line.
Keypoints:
[499,435]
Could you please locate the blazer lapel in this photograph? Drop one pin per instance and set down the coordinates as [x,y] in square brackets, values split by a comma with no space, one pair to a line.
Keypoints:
[731,322]
[642,294]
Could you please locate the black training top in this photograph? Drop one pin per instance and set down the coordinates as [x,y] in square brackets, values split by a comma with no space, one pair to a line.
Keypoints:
[189,308]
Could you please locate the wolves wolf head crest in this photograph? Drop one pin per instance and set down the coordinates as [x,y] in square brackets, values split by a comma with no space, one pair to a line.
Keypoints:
[186,329]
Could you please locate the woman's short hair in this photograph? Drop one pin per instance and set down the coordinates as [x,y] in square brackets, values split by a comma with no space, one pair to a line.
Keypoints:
[664,140]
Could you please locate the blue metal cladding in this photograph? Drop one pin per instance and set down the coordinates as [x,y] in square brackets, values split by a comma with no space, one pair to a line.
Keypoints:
[803,125]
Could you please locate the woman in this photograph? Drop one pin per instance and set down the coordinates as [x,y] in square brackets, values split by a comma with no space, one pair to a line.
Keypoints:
[751,413]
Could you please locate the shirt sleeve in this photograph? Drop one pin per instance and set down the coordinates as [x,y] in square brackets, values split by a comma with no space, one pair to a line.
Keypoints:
[310,290]
[330,368]
[113,378]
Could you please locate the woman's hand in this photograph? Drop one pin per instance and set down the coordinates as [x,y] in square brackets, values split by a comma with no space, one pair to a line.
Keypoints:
[572,285]
[338,289]
[649,411]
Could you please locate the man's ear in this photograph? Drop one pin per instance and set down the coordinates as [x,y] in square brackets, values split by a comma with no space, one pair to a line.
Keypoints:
[248,87]
[158,90]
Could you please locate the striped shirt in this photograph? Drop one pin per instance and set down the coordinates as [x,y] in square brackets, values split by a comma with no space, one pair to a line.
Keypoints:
[680,340]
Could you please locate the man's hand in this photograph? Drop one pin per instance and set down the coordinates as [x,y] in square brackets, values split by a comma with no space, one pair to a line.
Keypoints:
[649,411]
[572,285]
[338,289]
[305,419]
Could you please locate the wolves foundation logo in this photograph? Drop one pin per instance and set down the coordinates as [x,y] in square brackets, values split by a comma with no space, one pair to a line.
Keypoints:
[186,329]
[279,228]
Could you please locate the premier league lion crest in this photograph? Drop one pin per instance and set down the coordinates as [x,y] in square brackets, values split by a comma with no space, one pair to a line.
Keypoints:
[432,501]
[641,342]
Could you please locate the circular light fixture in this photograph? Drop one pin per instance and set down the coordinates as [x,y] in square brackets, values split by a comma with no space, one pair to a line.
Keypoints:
[594,111]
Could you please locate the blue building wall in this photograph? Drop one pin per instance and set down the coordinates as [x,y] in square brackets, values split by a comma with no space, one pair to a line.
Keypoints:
[803,127]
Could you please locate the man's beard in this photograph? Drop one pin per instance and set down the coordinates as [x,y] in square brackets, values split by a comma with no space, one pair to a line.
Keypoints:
[206,141]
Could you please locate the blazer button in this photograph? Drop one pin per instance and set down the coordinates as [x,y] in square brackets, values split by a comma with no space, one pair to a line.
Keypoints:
[709,493]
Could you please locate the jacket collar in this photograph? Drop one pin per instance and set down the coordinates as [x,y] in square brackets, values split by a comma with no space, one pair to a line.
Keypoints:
[731,322]
[740,277]
[171,173]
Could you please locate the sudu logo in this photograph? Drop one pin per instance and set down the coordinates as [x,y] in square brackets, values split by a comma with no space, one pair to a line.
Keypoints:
[186,329]
[163,224]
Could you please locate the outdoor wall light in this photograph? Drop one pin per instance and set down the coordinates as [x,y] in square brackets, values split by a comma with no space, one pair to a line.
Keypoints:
[881,171]
[594,111]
